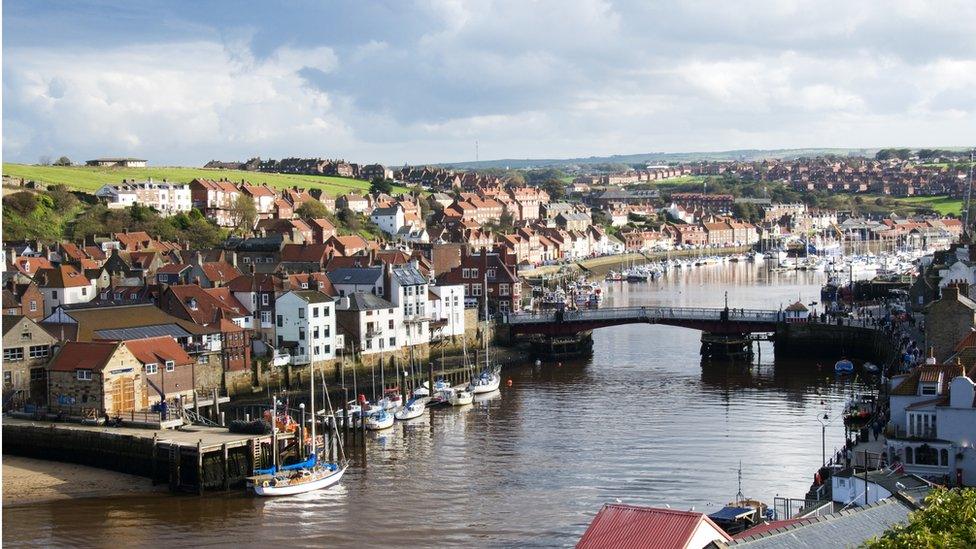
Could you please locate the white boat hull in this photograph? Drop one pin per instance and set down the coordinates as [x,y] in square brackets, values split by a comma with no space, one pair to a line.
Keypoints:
[374,424]
[489,387]
[291,489]
[409,412]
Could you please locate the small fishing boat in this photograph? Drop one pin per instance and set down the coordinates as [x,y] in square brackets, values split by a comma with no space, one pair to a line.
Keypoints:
[843,367]
[377,421]
[859,410]
[414,408]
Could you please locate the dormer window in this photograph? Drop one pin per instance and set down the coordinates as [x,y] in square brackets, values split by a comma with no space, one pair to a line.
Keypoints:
[170,365]
[928,388]
[152,368]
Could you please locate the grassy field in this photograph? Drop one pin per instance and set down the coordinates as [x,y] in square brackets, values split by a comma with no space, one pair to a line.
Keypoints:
[85,178]
[942,204]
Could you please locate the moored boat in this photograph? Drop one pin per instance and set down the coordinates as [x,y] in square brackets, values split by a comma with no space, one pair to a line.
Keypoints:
[844,366]
[414,408]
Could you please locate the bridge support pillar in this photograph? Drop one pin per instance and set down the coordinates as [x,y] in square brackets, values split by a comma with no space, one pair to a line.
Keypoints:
[563,346]
[732,346]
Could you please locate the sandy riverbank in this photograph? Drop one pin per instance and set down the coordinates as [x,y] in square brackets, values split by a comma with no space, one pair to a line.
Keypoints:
[27,480]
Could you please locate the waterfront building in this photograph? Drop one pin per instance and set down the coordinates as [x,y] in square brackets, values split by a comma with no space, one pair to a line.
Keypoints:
[305,325]
[94,378]
[351,280]
[408,291]
[389,219]
[933,423]
[618,525]
[167,370]
[504,287]
[368,323]
[26,349]
[447,311]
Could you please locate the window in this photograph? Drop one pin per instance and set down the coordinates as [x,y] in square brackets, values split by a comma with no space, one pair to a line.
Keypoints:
[84,375]
[54,294]
[928,388]
[170,365]
[315,334]
[281,321]
[476,290]
[391,323]
[38,374]
[304,285]
[491,273]
[33,305]
[246,260]
[316,350]
[301,313]
[325,311]
[944,457]
[379,290]
[465,273]
[264,299]
[369,343]
[118,295]
[265,317]
[301,334]
[152,368]
[26,335]
[315,312]
[409,309]
[503,289]
[13,353]
[39,351]
[327,349]
[84,290]
[392,342]
[381,343]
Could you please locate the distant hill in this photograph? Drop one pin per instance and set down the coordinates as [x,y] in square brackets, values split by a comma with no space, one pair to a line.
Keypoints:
[659,157]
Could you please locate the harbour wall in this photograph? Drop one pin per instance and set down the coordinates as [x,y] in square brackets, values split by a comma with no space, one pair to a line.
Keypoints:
[833,341]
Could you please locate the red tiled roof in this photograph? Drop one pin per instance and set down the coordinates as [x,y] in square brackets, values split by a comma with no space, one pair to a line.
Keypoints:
[305,252]
[30,265]
[220,271]
[172,268]
[258,190]
[77,355]
[158,350]
[210,306]
[968,341]
[628,526]
[63,276]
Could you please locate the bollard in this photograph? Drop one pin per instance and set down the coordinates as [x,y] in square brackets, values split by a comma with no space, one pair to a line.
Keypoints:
[222,424]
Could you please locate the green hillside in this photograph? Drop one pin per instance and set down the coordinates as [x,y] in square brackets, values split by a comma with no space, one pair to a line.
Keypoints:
[90,178]
[943,204]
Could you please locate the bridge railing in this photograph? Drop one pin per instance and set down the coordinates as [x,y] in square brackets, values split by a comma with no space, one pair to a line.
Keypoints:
[647,313]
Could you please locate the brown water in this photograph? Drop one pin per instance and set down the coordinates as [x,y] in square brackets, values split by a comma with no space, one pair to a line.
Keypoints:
[643,421]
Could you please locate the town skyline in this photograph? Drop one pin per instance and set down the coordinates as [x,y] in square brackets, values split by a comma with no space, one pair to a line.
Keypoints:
[182,85]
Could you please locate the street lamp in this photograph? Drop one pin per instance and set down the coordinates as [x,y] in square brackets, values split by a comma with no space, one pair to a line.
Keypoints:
[823,438]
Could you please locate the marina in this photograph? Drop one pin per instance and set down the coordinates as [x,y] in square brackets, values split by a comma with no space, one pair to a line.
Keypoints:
[544,450]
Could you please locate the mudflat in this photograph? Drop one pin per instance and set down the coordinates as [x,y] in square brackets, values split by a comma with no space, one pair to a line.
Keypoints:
[27,480]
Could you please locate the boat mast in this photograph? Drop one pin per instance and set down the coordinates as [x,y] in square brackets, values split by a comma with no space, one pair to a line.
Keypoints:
[311,386]
[484,333]
[335,422]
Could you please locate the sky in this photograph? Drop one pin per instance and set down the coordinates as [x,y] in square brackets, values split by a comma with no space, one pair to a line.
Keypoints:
[401,81]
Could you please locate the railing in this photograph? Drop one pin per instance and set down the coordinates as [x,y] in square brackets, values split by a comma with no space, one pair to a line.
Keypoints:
[894,431]
[647,313]
[89,413]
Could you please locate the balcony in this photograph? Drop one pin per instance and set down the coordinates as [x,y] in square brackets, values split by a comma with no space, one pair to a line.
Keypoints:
[373,332]
[900,433]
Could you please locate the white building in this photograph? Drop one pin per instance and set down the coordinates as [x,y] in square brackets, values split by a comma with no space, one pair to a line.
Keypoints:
[447,311]
[305,325]
[64,285]
[167,198]
[408,291]
[932,430]
[677,212]
[368,323]
[390,219]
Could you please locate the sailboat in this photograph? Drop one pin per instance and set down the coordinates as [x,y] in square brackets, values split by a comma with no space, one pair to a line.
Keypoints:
[379,420]
[490,377]
[298,478]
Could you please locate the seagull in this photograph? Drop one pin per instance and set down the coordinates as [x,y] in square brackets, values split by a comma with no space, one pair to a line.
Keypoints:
[617,500]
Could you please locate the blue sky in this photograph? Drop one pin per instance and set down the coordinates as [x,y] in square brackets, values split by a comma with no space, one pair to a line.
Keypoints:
[181,83]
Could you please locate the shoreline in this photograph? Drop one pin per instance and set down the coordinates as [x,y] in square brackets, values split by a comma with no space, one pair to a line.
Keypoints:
[28,481]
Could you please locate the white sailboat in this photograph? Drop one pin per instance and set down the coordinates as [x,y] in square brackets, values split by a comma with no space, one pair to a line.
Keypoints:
[413,409]
[298,478]
[379,420]
[490,378]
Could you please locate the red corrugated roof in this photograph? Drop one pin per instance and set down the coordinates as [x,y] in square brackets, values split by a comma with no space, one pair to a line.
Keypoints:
[77,355]
[629,526]
[158,350]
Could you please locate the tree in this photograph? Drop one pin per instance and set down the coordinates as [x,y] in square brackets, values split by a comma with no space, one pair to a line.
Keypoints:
[44,160]
[380,185]
[745,210]
[62,161]
[948,519]
[349,220]
[244,213]
[555,188]
[312,209]
[64,200]
[601,217]
[22,202]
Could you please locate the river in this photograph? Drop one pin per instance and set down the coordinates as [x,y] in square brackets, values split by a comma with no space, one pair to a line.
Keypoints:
[642,421]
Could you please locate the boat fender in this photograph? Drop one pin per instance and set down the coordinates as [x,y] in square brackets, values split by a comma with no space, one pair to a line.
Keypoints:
[509,382]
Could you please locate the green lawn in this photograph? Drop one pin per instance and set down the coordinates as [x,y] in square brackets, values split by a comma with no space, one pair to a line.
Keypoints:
[86,178]
[942,204]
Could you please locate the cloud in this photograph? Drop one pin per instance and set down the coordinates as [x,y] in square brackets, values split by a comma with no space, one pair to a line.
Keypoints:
[398,82]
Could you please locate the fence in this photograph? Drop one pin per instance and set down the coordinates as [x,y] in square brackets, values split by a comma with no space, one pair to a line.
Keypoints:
[647,313]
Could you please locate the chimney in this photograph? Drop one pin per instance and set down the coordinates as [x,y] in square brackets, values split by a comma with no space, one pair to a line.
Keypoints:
[199,257]
[232,258]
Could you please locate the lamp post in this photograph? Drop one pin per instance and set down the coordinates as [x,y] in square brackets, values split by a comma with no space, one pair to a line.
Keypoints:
[823,438]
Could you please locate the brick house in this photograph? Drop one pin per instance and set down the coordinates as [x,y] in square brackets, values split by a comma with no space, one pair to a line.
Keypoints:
[504,286]
[23,299]
[26,350]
